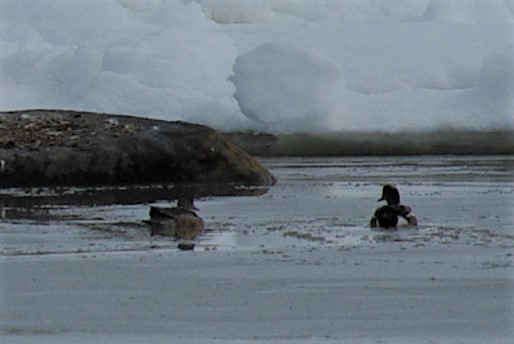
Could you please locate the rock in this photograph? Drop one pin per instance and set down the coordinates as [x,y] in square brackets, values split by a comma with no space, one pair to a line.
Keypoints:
[57,147]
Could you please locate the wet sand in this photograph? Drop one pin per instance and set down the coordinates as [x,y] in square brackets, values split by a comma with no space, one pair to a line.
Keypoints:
[297,264]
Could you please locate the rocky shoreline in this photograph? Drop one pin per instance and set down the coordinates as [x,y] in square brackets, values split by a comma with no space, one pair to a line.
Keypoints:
[76,148]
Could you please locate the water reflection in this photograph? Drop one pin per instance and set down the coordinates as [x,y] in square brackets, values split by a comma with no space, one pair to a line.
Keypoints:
[36,203]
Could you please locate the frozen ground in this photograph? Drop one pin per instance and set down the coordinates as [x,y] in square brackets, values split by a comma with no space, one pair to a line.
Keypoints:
[295,265]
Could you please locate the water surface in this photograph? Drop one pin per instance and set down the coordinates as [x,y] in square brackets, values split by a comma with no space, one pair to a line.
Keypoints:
[459,201]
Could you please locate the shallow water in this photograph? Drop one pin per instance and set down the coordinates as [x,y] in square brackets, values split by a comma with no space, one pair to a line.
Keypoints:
[295,264]
[320,201]
[459,201]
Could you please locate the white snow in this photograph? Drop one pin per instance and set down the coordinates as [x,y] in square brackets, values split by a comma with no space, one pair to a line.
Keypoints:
[282,66]
[279,66]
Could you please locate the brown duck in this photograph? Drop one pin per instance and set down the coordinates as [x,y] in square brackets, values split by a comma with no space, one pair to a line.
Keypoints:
[180,222]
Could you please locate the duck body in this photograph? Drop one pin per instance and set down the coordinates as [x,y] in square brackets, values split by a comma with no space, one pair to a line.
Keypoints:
[389,216]
[393,214]
[180,222]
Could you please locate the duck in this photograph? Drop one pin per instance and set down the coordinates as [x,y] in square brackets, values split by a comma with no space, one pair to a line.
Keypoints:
[180,222]
[393,214]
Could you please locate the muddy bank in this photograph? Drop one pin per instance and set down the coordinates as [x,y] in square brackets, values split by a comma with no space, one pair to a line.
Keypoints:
[57,147]
[443,142]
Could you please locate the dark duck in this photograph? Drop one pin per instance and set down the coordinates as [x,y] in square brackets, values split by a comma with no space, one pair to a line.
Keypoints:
[393,214]
[180,222]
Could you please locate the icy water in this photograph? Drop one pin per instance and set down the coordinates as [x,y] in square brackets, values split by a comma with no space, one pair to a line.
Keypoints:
[459,201]
[295,264]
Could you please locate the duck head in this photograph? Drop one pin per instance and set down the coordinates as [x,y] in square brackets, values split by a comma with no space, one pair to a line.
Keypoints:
[390,194]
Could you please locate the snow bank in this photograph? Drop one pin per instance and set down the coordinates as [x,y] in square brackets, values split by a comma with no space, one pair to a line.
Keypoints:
[491,101]
[280,66]
[380,87]
[164,60]
[470,11]
[286,89]
[358,11]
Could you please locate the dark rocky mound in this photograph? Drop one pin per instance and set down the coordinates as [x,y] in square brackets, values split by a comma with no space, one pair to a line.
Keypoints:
[56,147]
